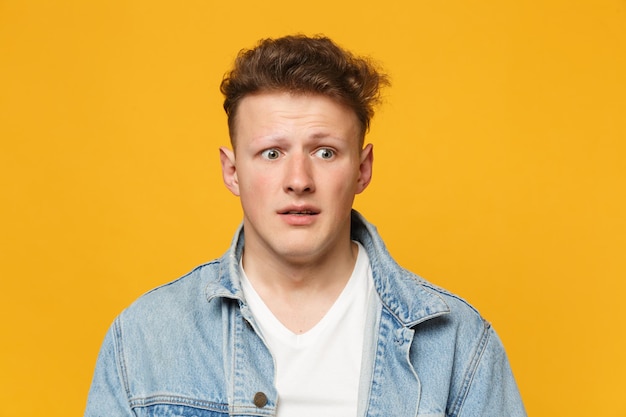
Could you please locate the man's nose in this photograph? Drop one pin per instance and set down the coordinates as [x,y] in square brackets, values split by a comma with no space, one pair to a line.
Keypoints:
[299,175]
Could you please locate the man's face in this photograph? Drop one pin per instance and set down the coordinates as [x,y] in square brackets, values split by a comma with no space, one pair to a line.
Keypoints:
[297,165]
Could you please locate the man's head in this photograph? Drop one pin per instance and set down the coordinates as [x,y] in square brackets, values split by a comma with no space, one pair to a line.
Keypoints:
[304,65]
[298,110]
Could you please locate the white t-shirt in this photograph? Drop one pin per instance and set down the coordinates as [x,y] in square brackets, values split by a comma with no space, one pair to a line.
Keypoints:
[318,371]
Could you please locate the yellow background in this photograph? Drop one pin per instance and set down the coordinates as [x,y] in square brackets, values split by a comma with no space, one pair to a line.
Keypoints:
[499,172]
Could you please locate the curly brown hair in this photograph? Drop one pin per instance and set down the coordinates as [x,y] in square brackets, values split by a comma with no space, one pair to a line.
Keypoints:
[304,65]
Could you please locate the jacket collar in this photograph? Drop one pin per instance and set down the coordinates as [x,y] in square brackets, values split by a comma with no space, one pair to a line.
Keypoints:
[407,296]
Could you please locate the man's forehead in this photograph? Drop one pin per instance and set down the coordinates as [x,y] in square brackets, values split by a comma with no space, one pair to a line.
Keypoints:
[323,113]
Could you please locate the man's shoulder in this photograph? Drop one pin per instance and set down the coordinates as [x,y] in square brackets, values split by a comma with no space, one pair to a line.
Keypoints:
[178,297]
[171,331]
[461,321]
[414,299]
[457,304]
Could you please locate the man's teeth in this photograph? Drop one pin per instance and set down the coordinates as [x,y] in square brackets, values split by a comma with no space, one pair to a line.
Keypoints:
[300,212]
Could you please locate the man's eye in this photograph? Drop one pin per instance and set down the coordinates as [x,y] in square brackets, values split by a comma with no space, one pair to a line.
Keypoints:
[270,154]
[325,153]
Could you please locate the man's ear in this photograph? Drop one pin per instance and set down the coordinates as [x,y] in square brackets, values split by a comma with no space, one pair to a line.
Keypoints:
[365,168]
[229,170]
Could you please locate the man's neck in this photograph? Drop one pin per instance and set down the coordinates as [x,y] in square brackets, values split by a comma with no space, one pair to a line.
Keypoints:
[300,293]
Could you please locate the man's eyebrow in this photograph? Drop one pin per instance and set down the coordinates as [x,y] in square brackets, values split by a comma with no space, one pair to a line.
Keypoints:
[271,137]
[326,135]
[321,135]
[279,138]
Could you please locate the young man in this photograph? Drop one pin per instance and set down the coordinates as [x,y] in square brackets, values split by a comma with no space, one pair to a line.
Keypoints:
[306,314]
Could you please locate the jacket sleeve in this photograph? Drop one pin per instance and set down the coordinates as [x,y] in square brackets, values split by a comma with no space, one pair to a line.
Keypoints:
[108,394]
[489,389]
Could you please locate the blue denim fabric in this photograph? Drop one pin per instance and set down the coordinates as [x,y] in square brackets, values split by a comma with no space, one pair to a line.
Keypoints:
[190,348]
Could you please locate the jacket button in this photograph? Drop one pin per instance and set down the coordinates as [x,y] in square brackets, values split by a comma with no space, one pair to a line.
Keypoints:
[260,399]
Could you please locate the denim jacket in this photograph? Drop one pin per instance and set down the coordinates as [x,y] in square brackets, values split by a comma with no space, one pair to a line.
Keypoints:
[192,348]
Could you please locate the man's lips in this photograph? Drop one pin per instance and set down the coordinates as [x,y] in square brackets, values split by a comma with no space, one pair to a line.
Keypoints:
[299,216]
[299,211]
